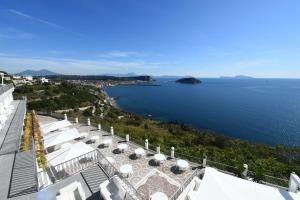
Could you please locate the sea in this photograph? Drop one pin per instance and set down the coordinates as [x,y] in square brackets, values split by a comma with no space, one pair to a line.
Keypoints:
[259,110]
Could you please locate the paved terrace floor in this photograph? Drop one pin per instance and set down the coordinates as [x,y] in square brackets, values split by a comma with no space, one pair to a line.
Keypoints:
[147,177]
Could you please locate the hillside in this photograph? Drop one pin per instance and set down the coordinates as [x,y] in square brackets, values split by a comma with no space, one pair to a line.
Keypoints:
[99,78]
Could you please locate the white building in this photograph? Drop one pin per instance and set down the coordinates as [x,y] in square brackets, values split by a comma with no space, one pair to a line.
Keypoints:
[16,77]
[44,80]
[12,114]
[28,78]
[6,98]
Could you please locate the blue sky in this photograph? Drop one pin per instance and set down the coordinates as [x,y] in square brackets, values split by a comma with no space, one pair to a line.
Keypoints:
[208,38]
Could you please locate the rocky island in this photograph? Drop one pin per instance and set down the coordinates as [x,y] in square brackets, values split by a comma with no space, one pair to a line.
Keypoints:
[189,80]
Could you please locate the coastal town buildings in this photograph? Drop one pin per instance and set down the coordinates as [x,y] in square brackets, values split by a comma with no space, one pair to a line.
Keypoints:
[44,80]
[84,161]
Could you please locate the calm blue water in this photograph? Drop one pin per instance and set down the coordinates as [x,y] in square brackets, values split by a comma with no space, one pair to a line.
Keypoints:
[263,110]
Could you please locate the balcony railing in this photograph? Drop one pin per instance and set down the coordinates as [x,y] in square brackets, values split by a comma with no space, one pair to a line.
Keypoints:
[80,163]
[110,170]
[66,169]
[223,167]
[185,184]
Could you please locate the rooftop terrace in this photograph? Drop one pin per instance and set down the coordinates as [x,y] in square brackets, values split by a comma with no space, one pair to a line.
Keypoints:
[147,176]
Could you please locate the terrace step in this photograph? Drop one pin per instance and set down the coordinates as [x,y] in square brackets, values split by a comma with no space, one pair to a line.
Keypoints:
[94,176]
[23,180]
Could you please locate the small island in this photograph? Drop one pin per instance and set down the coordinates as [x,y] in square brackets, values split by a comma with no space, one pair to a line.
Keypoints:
[189,80]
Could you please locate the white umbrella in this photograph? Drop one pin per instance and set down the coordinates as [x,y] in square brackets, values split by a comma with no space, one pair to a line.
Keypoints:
[55,126]
[64,154]
[60,137]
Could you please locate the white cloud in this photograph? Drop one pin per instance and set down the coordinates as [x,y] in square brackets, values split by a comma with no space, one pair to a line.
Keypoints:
[29,17]
[120,54]
[15,64]
[256,63]
[10,33]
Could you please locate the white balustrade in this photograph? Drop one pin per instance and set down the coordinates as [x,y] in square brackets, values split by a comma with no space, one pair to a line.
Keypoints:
[112,130]
[158,149]
[172,152]
[204,162]
[146,144]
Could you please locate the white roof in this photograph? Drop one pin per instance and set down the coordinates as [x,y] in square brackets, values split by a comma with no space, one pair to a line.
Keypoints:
[217,185]
[68,153]
[60,137]
[55,126]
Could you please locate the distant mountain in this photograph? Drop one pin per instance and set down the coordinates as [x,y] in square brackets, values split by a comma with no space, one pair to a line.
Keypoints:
[236,77]
[120,75]
[168,77]
[42,72]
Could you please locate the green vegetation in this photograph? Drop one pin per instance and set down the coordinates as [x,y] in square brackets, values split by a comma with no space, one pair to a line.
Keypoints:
[39,144]
[27,133]
[56,97]
[190,80]
[194,144]
[189,142]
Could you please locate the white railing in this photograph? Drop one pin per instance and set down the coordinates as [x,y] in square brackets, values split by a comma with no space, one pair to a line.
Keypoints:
[110,170]
[184,185]
[66,169]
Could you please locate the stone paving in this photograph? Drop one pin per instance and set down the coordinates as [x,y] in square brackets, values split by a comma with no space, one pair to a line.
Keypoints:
[147,177]
[167,180]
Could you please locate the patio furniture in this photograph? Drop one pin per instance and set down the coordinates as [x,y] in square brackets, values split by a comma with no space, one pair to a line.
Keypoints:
[73,191]
[159,158]
[107,142]
[139,152]
[159,196]
[95,138]
[182,165]
[83,135]
[125,170]
[122,147]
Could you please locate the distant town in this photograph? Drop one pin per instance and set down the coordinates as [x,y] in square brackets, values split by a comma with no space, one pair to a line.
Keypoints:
[47,77]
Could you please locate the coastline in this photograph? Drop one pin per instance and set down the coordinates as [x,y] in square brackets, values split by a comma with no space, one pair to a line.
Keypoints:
[235,117]
[111,100]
